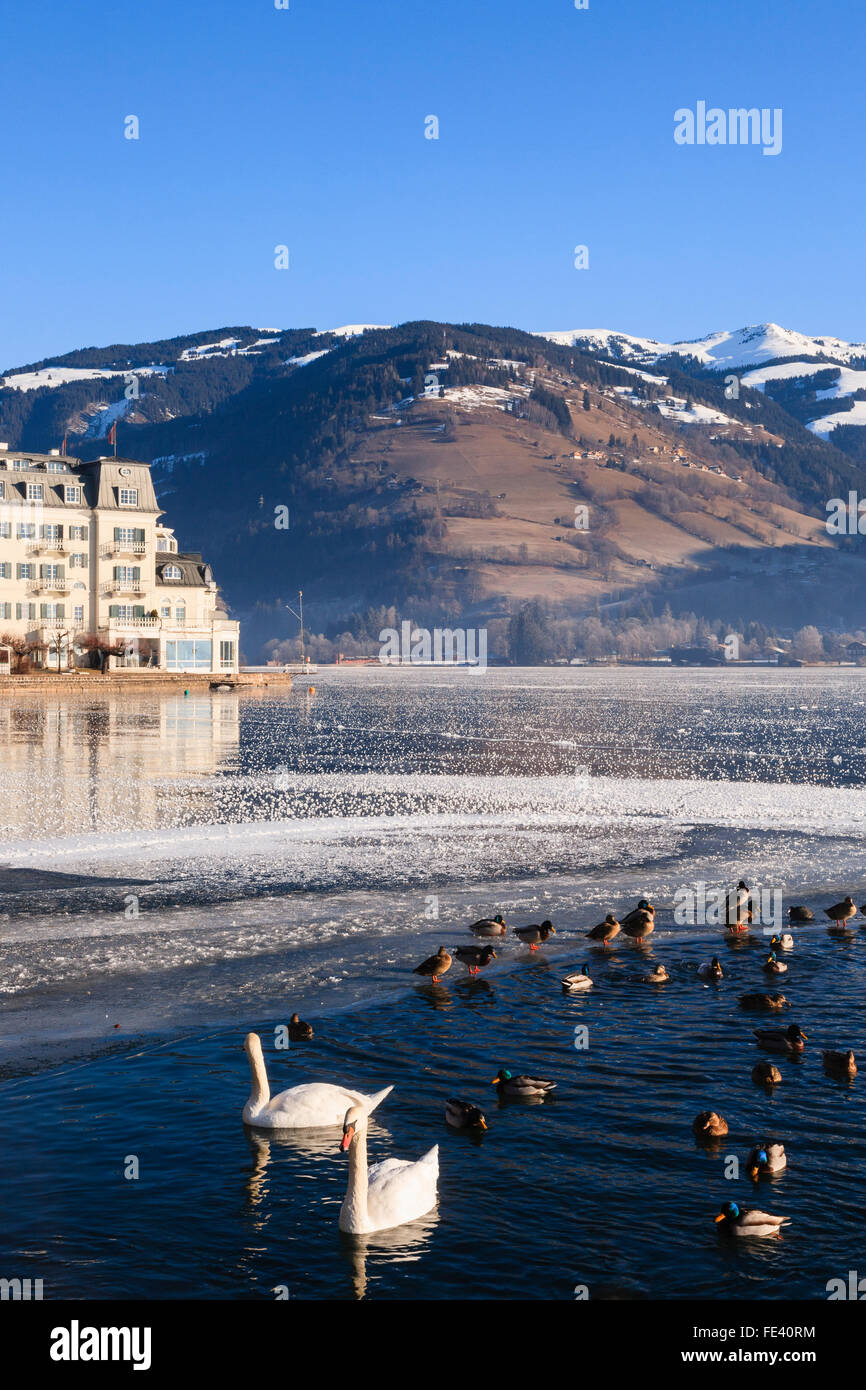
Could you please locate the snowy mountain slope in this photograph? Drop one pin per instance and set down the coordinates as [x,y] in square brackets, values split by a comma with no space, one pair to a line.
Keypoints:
[723,350]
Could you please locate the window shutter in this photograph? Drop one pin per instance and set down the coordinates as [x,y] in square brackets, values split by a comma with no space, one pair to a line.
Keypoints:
[117,533]
[43,610]
[116,571]
[139,535]
[112,610]
[136,574]
[61,611]
[139,610]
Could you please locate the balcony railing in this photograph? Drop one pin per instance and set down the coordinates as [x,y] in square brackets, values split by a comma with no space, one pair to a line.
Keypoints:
[109,548]
[47,547]
[48,586]
[124,624]
[123,586]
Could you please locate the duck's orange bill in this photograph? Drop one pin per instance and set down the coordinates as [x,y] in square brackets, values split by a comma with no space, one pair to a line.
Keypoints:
[496,1081]
[348,1136]
[720,1217]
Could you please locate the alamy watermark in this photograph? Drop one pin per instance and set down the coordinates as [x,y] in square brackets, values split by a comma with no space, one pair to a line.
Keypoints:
[697,905]
[737,126]
[418,646]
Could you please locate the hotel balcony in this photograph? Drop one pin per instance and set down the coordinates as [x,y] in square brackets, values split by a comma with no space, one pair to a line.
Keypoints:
[47,547]
[109,548]
[123,586]
[48,586]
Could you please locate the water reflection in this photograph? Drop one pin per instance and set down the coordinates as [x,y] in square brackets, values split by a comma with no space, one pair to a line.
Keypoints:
[86,763]
[397,1246]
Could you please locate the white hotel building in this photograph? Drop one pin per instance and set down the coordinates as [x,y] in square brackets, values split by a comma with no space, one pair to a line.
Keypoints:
[84,555]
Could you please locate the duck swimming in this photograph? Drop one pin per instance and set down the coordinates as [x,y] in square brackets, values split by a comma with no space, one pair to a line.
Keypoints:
[640,922]
[521,1085]
[605,931]
[534,936]
[475,957]
[763,1001]
[711,969]
[577,981]
[748,1221]
[785,942]
[839,1063]
[773,966]
[461,1115]
[766,1074]
[841,912]
[766,1160]
[709,1125]
[658,976]
[434,966]
[299,1031]
[490,926]
[791,1039]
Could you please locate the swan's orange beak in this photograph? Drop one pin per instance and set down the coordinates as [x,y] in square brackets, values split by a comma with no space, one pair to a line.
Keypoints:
[348,1136]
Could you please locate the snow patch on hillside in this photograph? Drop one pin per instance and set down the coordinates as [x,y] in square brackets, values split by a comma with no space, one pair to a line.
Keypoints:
[722,350]
[62,376]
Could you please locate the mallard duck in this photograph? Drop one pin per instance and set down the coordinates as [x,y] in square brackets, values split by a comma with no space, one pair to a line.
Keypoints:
[791,1039]
[605,931]
[657,976]
[577,981]
[534,936]
[738,913]
[763,1001]
[711,969]
[785,942]
[434,966]
[709,1125]
[766,1074]
[298,1030]
[841,912]
[490,926]
[839,1063]
[748,1221]
[521,1085]
[475,957]
[461,1115]
[766,1160]
[800,914]
[640,922]
[773,966]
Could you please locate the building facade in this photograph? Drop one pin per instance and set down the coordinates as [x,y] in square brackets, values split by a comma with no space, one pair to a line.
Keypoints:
[89,573]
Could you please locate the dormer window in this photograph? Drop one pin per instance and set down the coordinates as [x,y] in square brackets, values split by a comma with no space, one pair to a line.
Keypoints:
[172,572]
[127,496]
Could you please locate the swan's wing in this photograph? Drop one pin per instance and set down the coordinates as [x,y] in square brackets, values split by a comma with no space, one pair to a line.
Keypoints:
[308,1106]
[401,1191]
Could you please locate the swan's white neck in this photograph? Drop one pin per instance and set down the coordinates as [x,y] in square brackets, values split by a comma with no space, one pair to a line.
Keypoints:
[261,1091]
[353,1213]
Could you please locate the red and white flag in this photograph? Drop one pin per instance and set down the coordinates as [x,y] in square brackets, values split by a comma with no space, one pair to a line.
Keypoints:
[112,434]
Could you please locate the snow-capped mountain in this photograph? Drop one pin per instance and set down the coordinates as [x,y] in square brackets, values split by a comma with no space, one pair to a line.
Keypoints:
[725,350]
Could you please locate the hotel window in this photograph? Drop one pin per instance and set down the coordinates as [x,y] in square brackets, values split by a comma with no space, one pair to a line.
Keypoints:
[31,612]
[128,496]
[52,573]
[5,610]
[19,612]
[5,570]
[227,656]
[26,531]
[78,561]
[165,612]
[180,616]
[78,533]
[127,575]
[35,492]
[172,572]
[52,611]
[195,655]
[162,543]
[26,571]
[5,530]
[72,493]
[2,489]
[78,613]
[122,612]
[51,532]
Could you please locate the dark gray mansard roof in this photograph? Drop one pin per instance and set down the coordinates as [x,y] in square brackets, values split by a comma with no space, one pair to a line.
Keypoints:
[194,572]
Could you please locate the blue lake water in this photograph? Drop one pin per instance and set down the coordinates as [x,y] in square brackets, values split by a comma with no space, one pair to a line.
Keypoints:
[175,873]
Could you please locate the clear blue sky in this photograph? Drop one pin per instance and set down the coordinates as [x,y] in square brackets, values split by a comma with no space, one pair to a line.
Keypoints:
[306,127]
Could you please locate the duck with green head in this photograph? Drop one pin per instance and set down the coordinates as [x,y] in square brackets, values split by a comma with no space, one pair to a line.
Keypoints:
[522,1086]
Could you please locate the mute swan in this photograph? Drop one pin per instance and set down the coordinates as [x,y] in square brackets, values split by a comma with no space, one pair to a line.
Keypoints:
[388,1194]
[301,1107]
